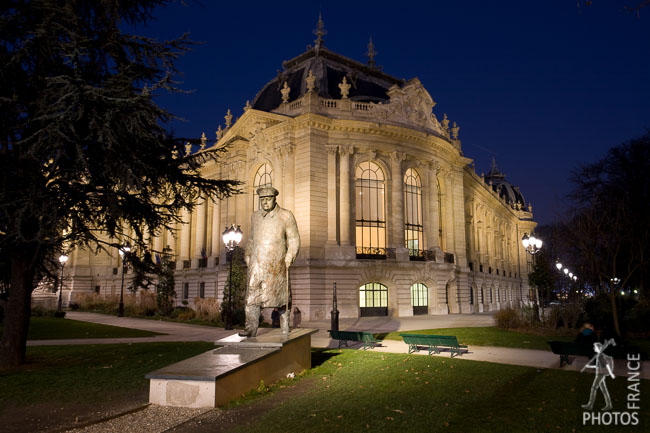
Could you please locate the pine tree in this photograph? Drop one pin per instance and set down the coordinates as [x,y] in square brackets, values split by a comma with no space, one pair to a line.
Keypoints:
[85,158]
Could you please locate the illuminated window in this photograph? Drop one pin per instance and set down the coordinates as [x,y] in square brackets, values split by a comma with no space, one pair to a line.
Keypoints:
[263,177]
[413,214]
[373,295]
[370,202]
[419,298]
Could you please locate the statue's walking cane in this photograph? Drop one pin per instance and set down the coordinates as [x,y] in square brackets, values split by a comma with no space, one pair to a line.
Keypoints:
[287,306]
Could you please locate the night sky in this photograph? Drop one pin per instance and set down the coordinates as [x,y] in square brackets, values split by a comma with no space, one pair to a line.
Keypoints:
[540,86]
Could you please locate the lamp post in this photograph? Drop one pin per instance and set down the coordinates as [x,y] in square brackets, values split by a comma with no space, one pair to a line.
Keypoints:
[62,259]
[334,326]
[124,254]
[532,245]
[231,238]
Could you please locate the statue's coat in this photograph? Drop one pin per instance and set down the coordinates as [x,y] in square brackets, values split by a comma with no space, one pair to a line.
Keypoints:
[274,239]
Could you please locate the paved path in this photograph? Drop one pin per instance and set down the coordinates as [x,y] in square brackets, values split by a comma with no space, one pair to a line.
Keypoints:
[502,355]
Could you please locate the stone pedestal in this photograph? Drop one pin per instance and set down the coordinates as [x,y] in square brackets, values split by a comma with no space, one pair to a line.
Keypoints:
[216,377]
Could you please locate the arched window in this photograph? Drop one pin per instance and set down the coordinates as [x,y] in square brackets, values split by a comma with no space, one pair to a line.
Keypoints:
[413,214]
[373,300]
[370,205]
[263,177]
[419,298]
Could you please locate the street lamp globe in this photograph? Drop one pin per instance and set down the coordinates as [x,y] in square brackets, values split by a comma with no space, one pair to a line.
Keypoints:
[62,259]
[124,251]
[566,271]
[558,265]
[231,238]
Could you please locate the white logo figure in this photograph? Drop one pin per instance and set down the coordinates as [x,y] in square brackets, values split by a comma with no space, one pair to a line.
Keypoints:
[603,366]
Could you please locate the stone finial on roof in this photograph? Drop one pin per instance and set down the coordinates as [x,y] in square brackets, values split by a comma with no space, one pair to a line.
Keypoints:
[445,124]
[285,92]
[310,80]
[320,32]
[228,118]
[248,105]
[345,88]
[219,133]
[454,131]
[204,140]
[188,148]
[371,53]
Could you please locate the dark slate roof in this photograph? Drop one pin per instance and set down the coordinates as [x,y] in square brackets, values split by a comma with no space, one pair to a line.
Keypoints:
[368,84]
[501,186]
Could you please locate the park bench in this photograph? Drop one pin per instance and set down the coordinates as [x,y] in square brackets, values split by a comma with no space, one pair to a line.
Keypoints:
[569,348]
[364,337]
[433,342]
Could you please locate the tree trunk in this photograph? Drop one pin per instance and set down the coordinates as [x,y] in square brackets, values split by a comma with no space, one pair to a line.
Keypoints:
[17,309]
[617,327]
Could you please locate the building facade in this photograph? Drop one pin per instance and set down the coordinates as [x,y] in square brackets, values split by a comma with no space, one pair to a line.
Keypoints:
[388,207]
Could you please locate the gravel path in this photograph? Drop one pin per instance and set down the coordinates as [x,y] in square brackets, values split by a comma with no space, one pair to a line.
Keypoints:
[151,419]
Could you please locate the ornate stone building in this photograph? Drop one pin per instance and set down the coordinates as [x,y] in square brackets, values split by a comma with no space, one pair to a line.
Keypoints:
[387,205]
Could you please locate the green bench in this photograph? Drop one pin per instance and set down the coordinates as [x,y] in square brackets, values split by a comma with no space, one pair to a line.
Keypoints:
[364,337]
[433,342]
[569,348]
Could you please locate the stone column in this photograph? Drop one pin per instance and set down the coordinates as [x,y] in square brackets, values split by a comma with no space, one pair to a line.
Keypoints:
[199,233]
[397,215]
[158,242]
[185,236]
[278,175]
[290,177]
[331,194]
[216,228]
[344,208]
[434,227]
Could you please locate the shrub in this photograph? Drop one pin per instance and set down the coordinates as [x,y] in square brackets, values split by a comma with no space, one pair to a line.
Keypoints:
[208,309]
[508,318]
[42,312]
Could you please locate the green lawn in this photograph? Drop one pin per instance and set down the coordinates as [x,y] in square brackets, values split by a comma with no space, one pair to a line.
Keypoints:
[49,328]
[358,391]
[487,336]
[87,373]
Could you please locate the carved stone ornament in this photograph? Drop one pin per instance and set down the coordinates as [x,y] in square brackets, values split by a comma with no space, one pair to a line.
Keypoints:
[219,133]
[259,144]
[454,131]
[285,92]
[248,105]
[410,104]
[188,148]
[310,80]
[204,140]
[345,88]
[228,118]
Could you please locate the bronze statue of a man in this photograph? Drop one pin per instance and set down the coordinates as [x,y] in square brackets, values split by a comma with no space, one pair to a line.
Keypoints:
[272,247]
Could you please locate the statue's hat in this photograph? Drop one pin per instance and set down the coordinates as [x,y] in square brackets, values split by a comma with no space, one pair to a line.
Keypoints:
[267,191]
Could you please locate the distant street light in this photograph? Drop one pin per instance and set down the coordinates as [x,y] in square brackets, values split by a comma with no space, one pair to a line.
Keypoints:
[124,254]
[62,259]
[231,238]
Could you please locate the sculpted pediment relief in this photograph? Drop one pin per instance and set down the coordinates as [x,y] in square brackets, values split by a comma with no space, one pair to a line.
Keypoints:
[259,143]
[410,104]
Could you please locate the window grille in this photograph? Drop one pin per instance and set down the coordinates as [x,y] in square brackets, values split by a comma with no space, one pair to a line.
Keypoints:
[370,214]
[263,177]
[413,214]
